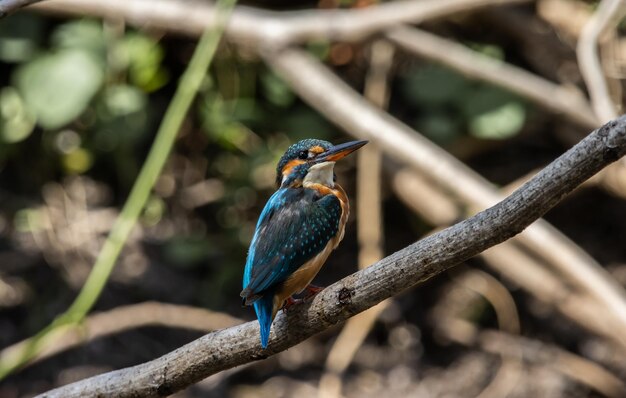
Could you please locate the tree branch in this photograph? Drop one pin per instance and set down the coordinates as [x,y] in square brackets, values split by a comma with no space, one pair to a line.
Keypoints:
[9,6]
[406,268]
[251,26]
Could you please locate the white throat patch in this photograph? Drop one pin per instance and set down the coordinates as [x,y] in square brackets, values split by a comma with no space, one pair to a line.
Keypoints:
[321,173]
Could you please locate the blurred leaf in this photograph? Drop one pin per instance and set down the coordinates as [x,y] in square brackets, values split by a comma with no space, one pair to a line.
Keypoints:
[153,211]
[276,90]
[122,100]
[58,87]
[320,49]
[493,113]
[19,37]
[143,57]
[29,220]
[16,122]
[86,35]
[483,99]
[187,251]
[500,123]
[433,86]
[438,126]
[122,116]
[305,123]
[77,161]
[490,50]
[220,120]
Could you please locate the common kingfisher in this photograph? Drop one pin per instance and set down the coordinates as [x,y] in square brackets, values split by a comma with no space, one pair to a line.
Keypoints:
[302,222]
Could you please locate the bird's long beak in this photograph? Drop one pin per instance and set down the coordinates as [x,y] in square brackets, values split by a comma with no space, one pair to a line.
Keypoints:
[340,151]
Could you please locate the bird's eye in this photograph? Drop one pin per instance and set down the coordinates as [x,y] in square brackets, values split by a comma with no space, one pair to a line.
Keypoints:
[303,155]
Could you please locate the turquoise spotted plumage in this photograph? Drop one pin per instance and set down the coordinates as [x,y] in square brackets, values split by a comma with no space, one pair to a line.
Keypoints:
[299,226]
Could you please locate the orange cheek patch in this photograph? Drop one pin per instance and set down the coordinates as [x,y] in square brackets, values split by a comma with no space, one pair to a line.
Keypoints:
[317,149]
[290,165]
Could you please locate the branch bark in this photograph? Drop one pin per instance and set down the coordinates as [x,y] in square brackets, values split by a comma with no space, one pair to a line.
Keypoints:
[404,269]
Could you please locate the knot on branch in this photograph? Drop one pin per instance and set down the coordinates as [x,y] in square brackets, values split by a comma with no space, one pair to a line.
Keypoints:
[613,134]
[344,297]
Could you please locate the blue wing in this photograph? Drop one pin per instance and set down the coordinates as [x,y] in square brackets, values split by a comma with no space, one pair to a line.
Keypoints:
[295,225]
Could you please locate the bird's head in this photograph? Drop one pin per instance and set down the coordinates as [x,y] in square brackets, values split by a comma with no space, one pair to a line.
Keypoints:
[312,161]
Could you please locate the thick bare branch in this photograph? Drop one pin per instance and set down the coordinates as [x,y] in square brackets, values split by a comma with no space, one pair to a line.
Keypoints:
[406,268]
[9,6]
[339,103]
[251,26]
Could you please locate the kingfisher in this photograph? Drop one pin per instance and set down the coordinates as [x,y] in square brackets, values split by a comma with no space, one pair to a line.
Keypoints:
[300,225]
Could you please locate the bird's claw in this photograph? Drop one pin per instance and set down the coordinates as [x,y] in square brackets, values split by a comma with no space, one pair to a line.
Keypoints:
[311,291]
[289,303]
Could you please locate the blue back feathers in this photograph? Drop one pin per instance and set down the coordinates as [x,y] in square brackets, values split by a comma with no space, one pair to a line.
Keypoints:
[295,226]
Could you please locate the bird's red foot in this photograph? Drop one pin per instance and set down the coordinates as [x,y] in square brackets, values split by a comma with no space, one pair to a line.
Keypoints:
[289,303]
[311,291]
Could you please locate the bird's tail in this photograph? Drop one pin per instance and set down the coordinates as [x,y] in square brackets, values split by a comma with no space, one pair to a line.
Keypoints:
[264,308]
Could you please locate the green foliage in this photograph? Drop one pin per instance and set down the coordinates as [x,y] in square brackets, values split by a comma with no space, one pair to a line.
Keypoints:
[275,90]
[91,83]
[434,86]
[494,114]
[58,87]
[450,106]
[16,120]
[142,57]
[84,35]
[187,251]
[122,117]
[20,37]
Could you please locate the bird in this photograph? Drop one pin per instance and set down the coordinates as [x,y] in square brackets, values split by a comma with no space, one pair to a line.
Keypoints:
[300,225]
